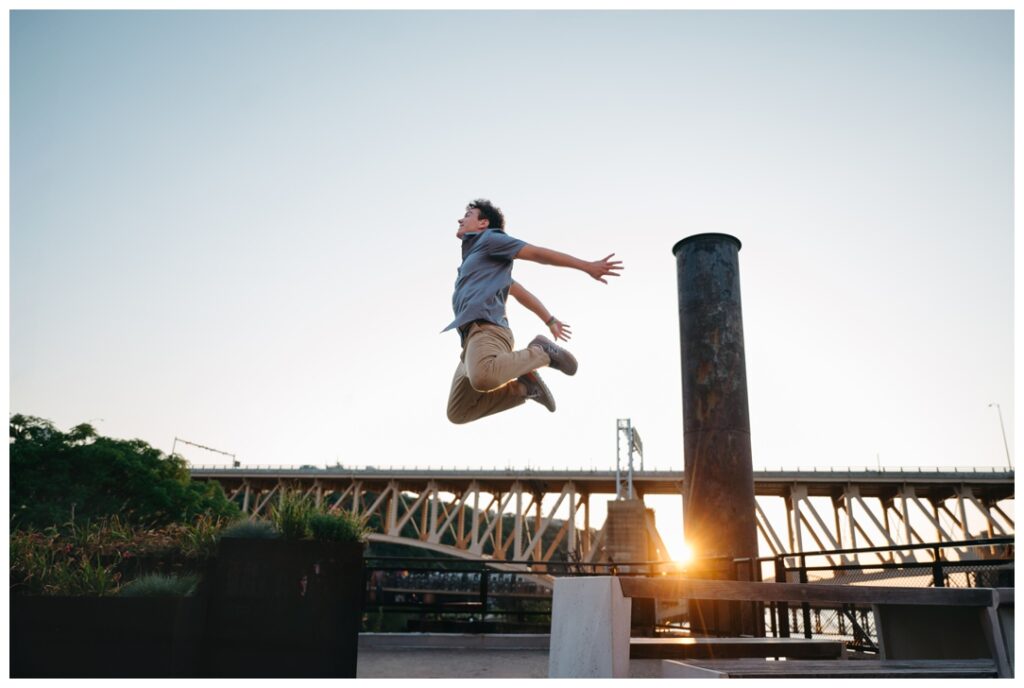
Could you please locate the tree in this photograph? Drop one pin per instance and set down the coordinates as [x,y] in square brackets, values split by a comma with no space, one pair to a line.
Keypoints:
[57,476]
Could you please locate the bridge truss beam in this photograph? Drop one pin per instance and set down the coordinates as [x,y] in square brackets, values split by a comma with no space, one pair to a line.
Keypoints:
[457,521]
[527,517]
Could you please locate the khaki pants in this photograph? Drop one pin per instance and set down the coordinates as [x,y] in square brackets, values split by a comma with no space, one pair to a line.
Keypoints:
[488,363]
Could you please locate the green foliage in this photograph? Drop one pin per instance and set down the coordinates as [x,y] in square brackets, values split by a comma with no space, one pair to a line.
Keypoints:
[259,530]
[159,585]
[81,475]
[294,517]
[341,527]
[45,563]
[292,514]
[93,558]
[199,540]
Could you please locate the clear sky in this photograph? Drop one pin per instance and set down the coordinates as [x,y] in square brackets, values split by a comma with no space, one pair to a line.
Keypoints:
[237,228]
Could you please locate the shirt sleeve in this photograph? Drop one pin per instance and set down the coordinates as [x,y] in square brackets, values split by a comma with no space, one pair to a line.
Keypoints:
[502,246]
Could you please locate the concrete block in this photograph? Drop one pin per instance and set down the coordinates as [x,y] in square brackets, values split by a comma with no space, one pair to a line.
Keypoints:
[1004,611]
[932,632]
[589,629]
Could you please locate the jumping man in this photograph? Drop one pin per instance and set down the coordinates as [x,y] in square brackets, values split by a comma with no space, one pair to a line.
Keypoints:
[491,376]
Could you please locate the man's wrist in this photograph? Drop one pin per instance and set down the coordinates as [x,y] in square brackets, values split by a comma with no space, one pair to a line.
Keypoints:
[550,321]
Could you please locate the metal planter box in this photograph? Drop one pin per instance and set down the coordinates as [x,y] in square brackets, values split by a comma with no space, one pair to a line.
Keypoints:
[105,637]
[280,608]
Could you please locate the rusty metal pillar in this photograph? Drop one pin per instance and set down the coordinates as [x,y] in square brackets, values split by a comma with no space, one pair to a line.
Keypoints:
[719,513]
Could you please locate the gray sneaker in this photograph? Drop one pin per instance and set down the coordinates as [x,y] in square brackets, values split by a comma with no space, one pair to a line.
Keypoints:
[537,390]
[560,358]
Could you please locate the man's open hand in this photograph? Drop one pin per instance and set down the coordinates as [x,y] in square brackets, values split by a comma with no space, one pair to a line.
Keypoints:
[599,269]
[560,330]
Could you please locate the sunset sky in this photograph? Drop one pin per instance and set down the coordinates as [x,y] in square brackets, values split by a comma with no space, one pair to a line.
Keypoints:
[237,228]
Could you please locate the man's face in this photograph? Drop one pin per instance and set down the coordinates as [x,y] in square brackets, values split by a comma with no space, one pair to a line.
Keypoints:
[471,222]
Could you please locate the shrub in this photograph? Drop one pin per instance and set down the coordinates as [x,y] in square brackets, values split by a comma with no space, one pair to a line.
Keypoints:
[199,540]
[291,515]
[256,530]
[158,585]
[342,527]
[45,563]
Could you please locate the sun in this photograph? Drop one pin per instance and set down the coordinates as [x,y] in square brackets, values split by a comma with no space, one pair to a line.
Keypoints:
[685,557]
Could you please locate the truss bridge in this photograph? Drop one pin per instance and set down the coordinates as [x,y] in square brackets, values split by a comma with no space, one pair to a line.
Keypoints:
[531,515]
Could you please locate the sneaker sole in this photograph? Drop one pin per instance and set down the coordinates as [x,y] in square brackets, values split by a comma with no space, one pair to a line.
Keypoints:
[569,366]
[545,399]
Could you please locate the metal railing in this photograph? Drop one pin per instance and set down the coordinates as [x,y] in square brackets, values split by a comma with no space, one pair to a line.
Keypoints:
[472,596]
[430,593]
[989,563]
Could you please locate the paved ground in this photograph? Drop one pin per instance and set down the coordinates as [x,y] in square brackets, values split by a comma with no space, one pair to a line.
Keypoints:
[465,663]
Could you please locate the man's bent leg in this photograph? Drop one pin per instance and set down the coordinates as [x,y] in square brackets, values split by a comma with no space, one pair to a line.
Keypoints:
[466,404]
[491,362]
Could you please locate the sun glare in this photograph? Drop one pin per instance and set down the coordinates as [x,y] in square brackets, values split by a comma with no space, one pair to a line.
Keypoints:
[685,556]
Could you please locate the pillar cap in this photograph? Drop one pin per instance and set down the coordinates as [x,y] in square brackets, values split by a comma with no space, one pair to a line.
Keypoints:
[710,236]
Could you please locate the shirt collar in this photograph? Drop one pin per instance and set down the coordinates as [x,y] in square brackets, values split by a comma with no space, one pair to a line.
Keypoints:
[469,239]
[470,235]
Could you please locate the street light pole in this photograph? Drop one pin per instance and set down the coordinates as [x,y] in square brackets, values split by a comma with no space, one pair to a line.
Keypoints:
[1002,427]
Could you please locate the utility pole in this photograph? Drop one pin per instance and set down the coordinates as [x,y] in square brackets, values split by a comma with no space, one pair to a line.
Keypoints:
[1003,428]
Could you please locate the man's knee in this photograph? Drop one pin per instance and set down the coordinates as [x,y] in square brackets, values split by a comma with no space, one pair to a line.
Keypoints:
[458,416]
[484,381]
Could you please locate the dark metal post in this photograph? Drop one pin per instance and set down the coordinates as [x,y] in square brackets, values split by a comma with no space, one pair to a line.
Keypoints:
[937,578]
[718,497]
[806,608]
[783,607]
[484,577]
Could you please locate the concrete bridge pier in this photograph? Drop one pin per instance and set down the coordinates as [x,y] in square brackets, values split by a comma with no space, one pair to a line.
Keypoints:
[629,535]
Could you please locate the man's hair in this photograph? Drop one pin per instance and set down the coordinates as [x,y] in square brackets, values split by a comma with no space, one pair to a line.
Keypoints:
[487,211]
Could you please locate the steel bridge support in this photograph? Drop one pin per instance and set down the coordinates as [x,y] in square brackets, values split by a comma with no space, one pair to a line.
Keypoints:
[884,521]
[525,520]
[428,516]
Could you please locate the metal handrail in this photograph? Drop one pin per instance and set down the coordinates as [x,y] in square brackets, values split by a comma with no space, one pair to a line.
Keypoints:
[1005,540]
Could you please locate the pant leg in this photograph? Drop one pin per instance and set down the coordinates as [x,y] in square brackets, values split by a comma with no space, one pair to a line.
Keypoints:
[466,402]
[490,361]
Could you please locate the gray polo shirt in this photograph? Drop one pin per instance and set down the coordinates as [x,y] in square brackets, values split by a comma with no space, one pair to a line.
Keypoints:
[484,277]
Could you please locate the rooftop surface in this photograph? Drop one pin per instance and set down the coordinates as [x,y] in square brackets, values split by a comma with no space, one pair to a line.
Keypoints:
[454,655]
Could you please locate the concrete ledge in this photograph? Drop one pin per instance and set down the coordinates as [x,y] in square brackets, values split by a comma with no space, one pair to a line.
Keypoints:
[454,641]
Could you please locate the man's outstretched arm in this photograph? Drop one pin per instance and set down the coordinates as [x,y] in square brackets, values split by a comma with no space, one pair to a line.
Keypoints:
[559,329]
[598,269]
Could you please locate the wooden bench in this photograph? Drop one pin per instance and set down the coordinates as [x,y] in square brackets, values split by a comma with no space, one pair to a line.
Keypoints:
[732,648]
[855,668]
[590,618]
